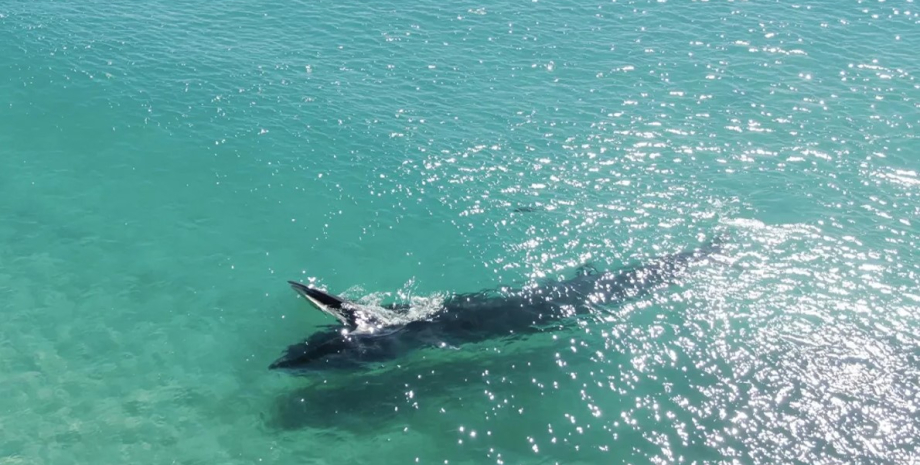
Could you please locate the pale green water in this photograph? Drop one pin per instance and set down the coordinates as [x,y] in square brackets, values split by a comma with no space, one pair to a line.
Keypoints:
[165,166]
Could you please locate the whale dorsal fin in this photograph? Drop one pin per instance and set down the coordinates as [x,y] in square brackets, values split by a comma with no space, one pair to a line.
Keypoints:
[338,307]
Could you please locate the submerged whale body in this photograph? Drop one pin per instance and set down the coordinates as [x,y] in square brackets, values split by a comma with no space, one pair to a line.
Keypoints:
[364,339]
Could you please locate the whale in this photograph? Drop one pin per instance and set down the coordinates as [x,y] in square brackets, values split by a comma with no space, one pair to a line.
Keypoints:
[361,338]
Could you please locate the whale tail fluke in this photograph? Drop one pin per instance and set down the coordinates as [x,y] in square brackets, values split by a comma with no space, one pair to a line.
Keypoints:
[327,303]
[714,244]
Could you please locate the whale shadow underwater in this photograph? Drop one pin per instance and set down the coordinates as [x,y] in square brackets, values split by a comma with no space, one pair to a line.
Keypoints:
[365,340]
[366,402]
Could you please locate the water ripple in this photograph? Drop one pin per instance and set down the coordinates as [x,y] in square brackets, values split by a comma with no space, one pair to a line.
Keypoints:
[170,165]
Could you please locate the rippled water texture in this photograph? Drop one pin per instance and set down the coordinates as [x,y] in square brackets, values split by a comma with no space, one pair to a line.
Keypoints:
[165,166]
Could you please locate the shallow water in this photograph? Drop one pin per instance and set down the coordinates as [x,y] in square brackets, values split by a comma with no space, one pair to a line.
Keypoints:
[166,167]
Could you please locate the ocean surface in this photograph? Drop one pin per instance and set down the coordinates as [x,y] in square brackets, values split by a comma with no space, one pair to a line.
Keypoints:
[166,166]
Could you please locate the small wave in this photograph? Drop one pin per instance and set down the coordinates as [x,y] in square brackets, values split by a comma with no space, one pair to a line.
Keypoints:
[410,308]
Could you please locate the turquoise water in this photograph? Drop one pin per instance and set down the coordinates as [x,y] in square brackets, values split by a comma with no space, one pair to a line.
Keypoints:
[166,166]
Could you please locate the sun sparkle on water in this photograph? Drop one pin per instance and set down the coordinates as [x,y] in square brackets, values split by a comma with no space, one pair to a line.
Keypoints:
[164,170]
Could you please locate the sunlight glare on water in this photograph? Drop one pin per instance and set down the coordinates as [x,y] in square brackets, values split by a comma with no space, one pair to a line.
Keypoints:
[166,167]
